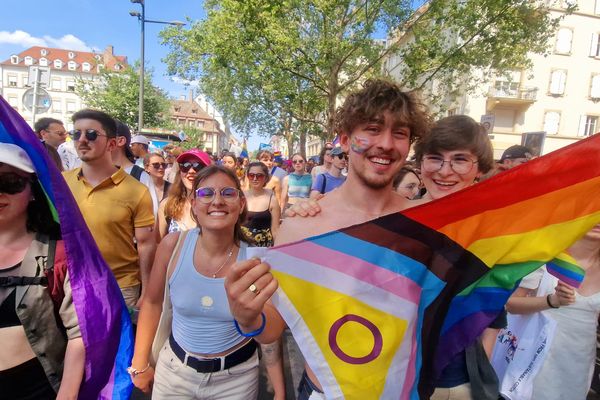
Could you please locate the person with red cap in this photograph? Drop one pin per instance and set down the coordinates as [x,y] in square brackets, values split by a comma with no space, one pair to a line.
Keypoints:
[174,211]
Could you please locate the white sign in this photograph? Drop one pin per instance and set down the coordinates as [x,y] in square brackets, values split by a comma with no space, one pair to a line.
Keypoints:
[487,121]
[44,75]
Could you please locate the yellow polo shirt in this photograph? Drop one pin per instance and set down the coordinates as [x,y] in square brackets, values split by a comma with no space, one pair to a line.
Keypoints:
[112,210]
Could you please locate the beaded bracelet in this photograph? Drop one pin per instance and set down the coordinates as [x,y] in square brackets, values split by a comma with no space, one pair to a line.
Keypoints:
[253,333]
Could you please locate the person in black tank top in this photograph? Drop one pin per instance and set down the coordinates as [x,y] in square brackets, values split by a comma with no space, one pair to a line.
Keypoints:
[261,224]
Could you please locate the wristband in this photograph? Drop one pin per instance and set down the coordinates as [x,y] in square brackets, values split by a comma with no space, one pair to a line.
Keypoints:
[253,333]
[135,372]
[549,303]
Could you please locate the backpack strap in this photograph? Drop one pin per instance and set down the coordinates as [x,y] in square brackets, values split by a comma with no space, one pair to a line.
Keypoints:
[323,184]
[136,171]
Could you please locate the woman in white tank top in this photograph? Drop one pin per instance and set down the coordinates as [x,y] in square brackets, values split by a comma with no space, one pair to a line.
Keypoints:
[207,354]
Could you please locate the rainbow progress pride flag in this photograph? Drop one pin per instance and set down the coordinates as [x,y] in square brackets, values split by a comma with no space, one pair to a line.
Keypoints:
[378,309]
[103,317]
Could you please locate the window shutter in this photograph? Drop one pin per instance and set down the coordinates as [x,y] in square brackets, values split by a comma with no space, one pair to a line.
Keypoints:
[551,122]
[594,44]
[582,121]
[595,92]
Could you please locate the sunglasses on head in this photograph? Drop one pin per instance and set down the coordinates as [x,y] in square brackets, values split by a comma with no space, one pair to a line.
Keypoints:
[13,183]
[186,166]
[158,165]
[255,177]
[90,134]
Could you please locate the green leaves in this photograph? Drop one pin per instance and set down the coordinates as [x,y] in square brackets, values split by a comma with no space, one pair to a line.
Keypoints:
[117,93]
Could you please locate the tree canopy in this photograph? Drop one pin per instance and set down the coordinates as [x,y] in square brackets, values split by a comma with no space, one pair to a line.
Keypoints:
[283,67]
[117,93]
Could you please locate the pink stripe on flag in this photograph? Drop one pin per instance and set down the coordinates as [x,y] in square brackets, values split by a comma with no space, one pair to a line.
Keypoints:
[362,270]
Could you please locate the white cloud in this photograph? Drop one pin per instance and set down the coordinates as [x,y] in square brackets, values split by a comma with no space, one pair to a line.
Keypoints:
[25,40]
[186,82]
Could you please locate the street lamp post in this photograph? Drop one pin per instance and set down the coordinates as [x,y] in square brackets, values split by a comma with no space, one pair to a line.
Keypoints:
[142,18]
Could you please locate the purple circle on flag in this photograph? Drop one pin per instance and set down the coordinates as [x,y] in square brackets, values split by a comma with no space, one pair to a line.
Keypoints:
[377,338]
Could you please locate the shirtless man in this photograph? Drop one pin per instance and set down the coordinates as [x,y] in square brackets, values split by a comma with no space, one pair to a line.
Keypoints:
[377,126]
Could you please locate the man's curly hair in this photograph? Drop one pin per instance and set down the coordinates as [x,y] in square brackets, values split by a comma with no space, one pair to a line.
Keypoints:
[376,97]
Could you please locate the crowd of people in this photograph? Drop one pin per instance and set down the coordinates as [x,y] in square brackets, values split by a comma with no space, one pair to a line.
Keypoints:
[174,226]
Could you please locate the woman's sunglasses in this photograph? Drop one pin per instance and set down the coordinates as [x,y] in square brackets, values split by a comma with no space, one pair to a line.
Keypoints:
[207,194]
[297,161]
[13,183]
[186,166]
[158,165]
[255,177]
[90,134]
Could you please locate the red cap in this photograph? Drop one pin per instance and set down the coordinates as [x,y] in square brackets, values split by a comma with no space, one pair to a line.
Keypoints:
[195,154]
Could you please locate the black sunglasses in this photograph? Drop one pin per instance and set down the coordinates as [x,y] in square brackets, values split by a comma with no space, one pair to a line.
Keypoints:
[90,134]
[186,166]
[157,165]
[13,183]
[342,156]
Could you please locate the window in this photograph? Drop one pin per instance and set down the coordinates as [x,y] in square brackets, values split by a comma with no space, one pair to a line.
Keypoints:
[558,80]
[56,106]
[12,80]
[44,52]
[86,66]
[71,55]
[595,45]
[200,124]
[587,125]
[551,122]
[58,64]
[451,112]
[194,111]
[25,80]
[72,65]
[595,87]
[597,7]
[43,62]
[70,107]
[14,59]
[28,60]
[12,100]
[564,39]
[56,84]
[506,89]
[70,85]
[117,67]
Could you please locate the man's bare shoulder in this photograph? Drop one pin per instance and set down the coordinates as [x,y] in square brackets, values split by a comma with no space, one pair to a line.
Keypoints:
[298,228]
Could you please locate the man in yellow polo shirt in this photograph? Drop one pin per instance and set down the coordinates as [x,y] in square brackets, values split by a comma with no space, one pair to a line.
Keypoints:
[116,207]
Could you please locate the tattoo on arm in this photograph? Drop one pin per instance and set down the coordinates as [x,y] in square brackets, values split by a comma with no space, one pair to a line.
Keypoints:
[271,352]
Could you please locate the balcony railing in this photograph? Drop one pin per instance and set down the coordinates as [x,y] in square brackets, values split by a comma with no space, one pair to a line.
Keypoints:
[521,93]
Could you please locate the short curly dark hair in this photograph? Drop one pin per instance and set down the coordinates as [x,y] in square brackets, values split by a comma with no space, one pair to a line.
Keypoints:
[376,97]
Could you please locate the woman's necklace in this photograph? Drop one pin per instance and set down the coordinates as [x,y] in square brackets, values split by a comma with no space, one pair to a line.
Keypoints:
[214,275]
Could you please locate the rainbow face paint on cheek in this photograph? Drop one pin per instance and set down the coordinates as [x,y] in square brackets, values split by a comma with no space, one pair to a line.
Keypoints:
[359,144]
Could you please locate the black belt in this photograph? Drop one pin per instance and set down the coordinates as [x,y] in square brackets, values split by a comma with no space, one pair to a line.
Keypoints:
[207,365]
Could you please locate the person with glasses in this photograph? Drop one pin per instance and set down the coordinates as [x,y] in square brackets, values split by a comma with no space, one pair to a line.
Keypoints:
[174,212]
[325,161]
[42,353]
[332,178]
[260,228]
[116,207]
[264,212]
[274,183]
[455,154]
[206,355]
[297,184]
[155,166]
[407,183]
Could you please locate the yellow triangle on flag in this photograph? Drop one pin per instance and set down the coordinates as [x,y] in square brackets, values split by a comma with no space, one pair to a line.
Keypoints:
[357,340]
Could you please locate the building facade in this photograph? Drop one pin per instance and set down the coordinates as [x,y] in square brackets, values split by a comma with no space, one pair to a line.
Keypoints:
[188,113]
[559,95]
[66,68]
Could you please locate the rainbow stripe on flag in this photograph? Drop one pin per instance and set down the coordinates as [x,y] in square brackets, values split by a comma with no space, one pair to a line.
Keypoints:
[103,317]
[371,304]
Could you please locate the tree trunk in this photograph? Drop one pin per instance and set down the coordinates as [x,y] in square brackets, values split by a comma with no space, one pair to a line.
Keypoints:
[302,142]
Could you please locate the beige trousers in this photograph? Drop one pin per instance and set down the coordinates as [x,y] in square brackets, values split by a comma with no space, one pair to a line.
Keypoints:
[461,392]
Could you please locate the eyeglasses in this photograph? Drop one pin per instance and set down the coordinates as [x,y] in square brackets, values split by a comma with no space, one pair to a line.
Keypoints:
[13,183]
[255,177]
[207,194]
[460,165]
[341,156]
[297,161]
[90,134]
[186,166]
[158,165]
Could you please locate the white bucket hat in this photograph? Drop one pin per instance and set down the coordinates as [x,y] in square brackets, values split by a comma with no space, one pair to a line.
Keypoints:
[15,156]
